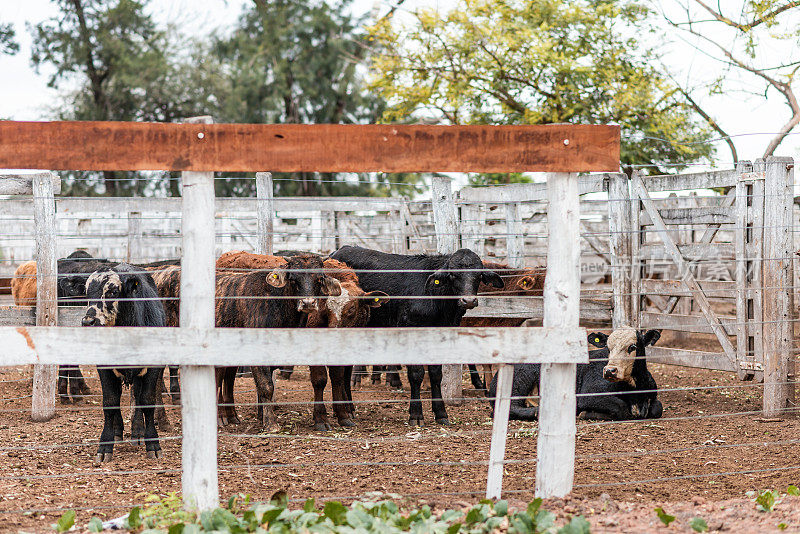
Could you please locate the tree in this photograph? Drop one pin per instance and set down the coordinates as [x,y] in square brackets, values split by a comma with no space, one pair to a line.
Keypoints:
[544,62]
[754,44]
[125,68]
[7,43]
[298,61]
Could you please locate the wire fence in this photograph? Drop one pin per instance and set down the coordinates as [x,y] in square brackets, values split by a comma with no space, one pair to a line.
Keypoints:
[712,428]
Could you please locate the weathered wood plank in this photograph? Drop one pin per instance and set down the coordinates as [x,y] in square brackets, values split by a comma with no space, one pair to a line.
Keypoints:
[686,323]
[778,253]
[266,212]
[556,444]
[709,215]
[698,180]
[691,252]
[515,238]
[297,346]
[26,316]
[502,405]
[198,394]
[591,309]
[44,215]
[22,184]
[307,148]
[445,219]
[711,288]
[690,358]
[527,192]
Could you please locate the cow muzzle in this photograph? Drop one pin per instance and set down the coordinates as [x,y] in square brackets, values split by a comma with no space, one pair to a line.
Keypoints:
[610,373]
[307,305]
[467,303]
[90,321]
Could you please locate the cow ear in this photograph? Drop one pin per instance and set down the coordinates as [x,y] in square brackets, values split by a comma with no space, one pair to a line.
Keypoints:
[64,285]
[331,286]
[526,282]
[650,337]
[277,278]
[598,339]
[131,284]
[376,298]
[492,278]
[436,280]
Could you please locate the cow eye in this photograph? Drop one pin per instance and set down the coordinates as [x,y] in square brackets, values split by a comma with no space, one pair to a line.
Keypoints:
[632,348]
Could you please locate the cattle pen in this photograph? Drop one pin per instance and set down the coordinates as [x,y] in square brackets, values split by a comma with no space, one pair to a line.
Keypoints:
[705,257]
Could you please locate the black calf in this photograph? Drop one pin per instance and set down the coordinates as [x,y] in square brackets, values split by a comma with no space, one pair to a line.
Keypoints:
[630,395]
[123,296]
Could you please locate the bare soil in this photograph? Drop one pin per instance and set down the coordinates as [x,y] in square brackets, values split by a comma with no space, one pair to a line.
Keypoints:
[710,448]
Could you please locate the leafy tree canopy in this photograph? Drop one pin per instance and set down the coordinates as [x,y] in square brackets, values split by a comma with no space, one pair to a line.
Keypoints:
[7,43]
[542,62]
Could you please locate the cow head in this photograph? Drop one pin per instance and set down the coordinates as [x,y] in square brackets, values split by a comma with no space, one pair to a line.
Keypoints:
[303,277]
[624,346]
[460,277]
[72,287]
[353,306]
[104,290]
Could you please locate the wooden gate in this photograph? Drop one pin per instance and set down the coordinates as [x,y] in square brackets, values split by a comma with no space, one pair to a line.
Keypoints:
[717,264]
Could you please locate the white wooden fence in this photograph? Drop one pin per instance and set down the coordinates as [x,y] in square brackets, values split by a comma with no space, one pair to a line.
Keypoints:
[198,346]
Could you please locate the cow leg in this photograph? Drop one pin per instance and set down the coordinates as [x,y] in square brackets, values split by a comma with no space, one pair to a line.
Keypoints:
[487,373]
[393,376]
[145,388]
[358,372]
[475,377]
[262,376]
[286,371]
[439,412]
[160,403]
[656,410]
[340,382]
[416,373]
[319,379]
[63,384]
[77,384]
[112,415]
[348,392]
[174,385]
[376,373]
[225,400]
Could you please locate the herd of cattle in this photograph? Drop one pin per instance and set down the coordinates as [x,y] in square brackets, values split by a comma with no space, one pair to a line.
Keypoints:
[353,287]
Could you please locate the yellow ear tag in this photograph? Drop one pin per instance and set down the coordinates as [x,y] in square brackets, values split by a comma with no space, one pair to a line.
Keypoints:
[436,282]
[377,299]
[597,340]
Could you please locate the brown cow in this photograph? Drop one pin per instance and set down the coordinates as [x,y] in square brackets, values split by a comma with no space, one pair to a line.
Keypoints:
[351,308]
[301,277]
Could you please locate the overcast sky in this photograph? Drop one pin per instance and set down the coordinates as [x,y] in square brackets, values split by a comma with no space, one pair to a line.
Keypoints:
[24,94]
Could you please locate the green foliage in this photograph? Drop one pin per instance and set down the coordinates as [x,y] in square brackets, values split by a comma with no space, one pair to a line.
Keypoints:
[664,517]
[65,522]
[782,526]
[95,525]
[8,45]
[164,516]
[767,499]
[698,524]
[792,490]
[545,62]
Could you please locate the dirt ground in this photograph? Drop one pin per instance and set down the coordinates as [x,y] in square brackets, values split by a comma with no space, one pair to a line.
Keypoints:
[700,459]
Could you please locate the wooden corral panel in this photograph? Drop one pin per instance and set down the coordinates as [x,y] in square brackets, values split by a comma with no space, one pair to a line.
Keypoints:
[132,146]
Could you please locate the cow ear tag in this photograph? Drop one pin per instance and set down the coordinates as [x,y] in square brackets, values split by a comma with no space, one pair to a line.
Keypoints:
[597,340]
[436,282]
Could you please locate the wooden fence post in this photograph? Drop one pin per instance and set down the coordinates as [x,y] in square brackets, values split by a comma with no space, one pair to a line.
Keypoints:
[747,325]
[776,276]
[621,229]
[497,452]
[134,237]
[555,467]
[515,240]
[445,221]
[198,396]
[43,403]
[266,212]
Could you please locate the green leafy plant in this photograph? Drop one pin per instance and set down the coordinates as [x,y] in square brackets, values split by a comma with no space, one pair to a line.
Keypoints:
[95,525]
[65,522]
[163,515]
[664,516]
[792,490]
[698,524]
[766,500]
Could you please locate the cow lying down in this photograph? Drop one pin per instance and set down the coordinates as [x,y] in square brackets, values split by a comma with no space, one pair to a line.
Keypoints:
[615,385]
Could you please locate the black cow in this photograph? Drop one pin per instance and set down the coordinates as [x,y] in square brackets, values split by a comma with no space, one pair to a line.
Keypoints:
[124,296]
[615,385]
[455,277]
